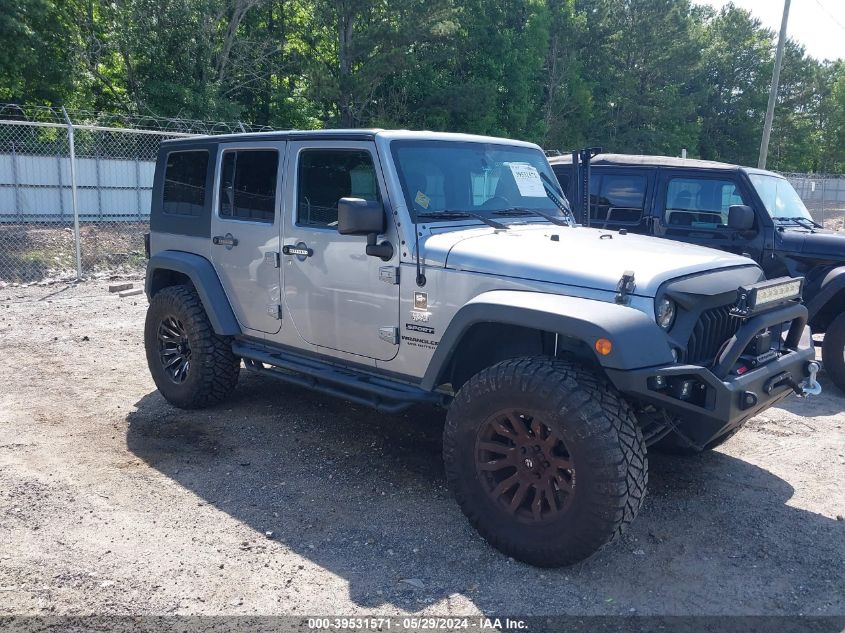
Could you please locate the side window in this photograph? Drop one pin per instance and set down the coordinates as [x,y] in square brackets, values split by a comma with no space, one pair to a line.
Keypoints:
[700,202]
[326,176]
[617,198]
[248,185]
[184,183]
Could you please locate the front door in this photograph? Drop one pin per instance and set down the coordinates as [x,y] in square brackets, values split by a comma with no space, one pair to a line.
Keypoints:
[337,296]
[693,207]
[245,233]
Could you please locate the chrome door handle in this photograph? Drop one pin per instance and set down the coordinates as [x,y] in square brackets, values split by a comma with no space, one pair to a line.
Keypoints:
[225,240]
[300,250]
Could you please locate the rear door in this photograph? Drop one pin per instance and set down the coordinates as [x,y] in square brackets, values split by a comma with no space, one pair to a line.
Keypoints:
[692,206]
[245,226]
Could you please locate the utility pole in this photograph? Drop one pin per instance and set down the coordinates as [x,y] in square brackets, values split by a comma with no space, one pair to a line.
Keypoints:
[773,92]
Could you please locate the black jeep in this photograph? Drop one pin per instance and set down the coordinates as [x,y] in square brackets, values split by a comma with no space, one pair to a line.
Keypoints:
[743,210]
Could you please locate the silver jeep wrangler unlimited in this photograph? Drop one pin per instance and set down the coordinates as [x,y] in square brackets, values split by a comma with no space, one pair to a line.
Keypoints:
[392,268]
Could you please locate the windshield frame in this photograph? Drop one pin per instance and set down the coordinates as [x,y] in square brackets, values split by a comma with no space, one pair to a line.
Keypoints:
[396,145]
[758,180]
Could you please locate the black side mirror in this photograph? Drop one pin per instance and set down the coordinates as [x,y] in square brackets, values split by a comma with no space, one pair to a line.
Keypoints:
[359,217]
[364,217]
[740,217]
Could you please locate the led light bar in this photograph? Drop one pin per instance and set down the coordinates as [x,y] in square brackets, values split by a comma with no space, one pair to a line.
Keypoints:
[767,294]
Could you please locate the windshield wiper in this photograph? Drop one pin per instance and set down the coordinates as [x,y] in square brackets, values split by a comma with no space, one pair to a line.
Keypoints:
[811,222]
[523,211]
[450,215]
[801,221]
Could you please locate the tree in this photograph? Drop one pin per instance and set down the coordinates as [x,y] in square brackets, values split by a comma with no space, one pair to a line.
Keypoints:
[651,76]
[736,70]
[794,141]
[39,63]
[646,100]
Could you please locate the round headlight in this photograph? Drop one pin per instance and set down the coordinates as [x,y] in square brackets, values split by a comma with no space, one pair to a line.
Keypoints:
[664,312]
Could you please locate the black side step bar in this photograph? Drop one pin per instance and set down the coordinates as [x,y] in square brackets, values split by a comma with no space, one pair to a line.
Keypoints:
[383,394]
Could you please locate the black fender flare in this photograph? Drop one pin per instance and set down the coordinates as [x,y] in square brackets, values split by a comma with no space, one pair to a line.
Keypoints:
[637,340]
[831,285]
[202,275]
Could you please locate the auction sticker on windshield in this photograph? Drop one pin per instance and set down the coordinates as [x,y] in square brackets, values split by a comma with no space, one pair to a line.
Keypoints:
[528,180]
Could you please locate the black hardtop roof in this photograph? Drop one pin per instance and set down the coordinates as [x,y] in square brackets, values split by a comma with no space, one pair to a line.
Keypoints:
[281,135]
[646,160]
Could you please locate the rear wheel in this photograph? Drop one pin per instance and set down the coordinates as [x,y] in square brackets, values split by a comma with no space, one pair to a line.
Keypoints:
[191,365]
[545,459]
[833,351]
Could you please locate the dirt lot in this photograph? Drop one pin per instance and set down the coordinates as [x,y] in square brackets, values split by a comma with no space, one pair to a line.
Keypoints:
[283,502]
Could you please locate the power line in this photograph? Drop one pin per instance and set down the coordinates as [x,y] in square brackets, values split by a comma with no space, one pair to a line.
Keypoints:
[830,15]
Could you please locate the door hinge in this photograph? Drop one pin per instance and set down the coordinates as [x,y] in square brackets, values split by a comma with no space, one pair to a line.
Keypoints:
[389,335]
[389,275]
[275,311]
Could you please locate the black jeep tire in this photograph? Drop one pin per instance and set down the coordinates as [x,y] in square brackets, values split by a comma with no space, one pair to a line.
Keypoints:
[833,351]
[671,444]
[580,427]
[191,365]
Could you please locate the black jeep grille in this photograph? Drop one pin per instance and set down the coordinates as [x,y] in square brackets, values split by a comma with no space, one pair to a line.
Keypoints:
[714,327]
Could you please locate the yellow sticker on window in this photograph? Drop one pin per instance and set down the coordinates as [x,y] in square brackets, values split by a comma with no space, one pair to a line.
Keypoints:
[422,200]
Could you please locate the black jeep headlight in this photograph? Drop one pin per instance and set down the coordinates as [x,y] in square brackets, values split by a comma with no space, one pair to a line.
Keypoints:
[664,312]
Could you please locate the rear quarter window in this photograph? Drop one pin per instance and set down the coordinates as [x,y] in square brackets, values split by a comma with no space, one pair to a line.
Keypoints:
[185,183]
[617,198]
[564,177]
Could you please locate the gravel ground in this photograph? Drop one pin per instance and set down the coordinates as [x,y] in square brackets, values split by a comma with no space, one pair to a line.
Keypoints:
[286,502]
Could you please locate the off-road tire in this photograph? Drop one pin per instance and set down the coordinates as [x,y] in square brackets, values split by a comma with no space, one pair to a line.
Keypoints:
[833,351]
[671,444]
[213,370]
[601,435]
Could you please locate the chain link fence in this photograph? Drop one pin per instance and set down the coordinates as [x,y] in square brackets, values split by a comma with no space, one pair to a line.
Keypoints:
[75,190]
[824,197]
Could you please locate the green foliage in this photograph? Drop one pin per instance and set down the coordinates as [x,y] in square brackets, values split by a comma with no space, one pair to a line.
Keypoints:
[38,42]
[651,76]
[736,69]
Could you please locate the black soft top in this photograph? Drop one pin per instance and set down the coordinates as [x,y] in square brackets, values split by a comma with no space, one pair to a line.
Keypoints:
[645,160]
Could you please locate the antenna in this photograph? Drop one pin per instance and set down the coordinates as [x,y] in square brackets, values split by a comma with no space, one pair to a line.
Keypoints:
[420,276]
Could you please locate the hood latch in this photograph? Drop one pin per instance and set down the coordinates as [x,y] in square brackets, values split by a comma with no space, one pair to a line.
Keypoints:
[625,287]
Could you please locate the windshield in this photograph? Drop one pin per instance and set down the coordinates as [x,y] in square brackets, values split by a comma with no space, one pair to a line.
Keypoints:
[779,197]
[475,178]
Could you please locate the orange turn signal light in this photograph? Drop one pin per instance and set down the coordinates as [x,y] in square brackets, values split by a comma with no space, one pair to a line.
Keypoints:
[604,346]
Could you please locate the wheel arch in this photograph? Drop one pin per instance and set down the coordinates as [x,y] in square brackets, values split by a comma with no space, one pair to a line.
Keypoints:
[170,268]
[829,301]
[503,324]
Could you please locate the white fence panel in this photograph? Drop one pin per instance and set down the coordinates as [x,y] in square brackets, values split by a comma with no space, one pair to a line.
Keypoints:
[37,188]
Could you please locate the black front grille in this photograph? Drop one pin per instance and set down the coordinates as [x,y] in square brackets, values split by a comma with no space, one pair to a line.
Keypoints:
[713,328]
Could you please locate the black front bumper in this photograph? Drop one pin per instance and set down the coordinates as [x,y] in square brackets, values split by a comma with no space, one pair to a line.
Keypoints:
[719,399]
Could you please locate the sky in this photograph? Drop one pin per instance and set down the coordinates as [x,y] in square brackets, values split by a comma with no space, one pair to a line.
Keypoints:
[817,24]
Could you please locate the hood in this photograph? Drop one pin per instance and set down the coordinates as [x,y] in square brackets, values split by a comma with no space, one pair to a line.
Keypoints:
[818,243]
[580,256]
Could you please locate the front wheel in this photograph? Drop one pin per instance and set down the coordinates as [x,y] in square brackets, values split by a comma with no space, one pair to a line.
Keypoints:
[545,459]
[833,351]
